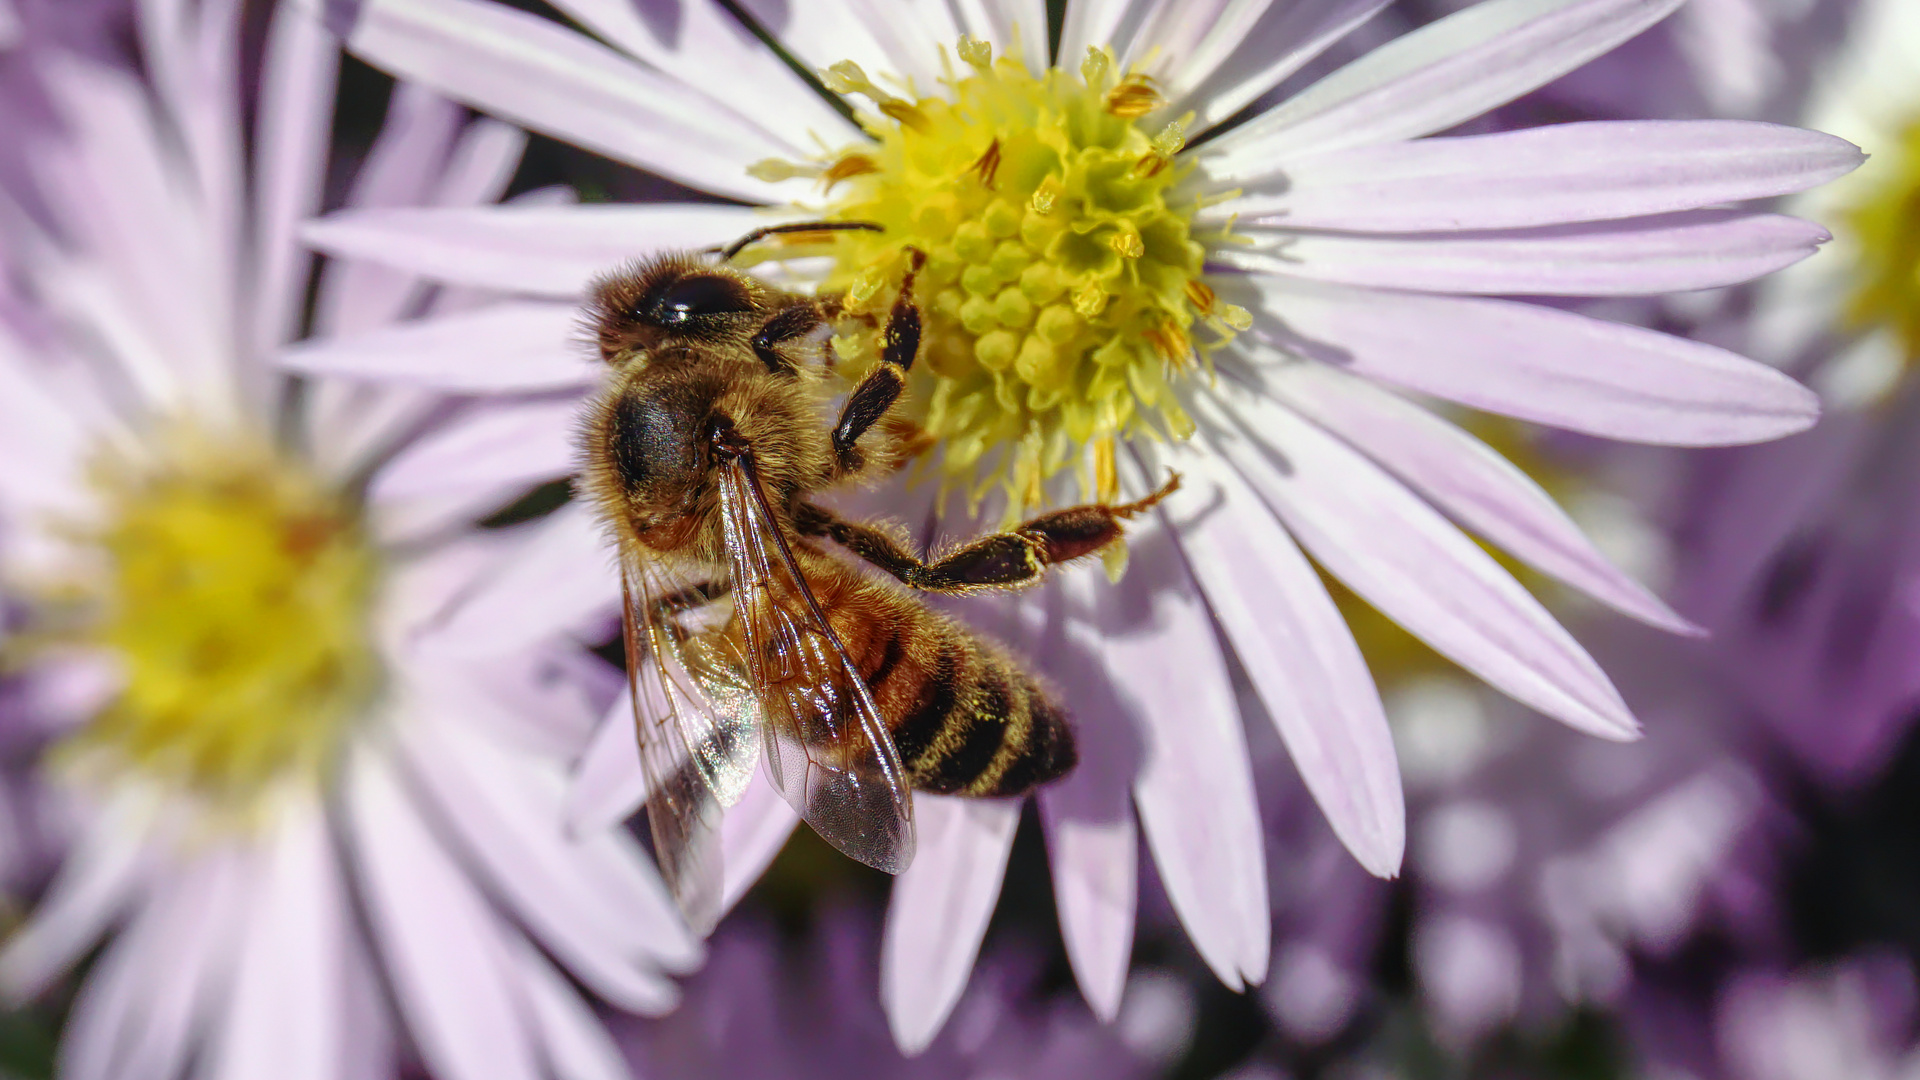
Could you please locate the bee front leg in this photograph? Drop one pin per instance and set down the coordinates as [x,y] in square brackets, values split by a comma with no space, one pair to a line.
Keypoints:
[1002,560]
[900,343]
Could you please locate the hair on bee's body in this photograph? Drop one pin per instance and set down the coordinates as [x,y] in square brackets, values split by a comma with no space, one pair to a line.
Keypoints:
[702,454]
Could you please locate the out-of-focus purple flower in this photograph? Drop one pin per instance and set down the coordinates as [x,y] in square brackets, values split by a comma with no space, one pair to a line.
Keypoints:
[313,836]
[761,1009]
[1544,868]
[1347,251]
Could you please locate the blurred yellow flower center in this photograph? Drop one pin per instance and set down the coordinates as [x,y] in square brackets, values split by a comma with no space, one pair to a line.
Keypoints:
[238,595]
[1887,226]
[1063,280]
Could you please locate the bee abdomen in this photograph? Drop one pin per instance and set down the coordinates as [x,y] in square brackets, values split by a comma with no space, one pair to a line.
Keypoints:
[965,719]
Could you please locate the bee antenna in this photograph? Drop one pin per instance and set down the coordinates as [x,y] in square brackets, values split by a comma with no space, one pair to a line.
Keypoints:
[727,252]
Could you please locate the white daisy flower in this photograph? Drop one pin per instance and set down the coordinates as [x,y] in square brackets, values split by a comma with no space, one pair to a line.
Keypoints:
[315,842]
[1124,275]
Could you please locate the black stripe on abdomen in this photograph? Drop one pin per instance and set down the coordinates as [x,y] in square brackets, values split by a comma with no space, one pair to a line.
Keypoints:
[978,731]
[923,721]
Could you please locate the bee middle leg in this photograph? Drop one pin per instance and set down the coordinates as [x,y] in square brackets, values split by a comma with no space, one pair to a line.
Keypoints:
[1001,560]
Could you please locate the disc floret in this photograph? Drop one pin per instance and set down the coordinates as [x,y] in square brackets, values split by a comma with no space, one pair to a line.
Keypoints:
[234,593]
[1063,280]
[1886,223]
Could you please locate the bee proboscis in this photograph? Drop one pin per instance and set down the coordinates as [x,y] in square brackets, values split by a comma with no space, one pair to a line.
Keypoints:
[747,634]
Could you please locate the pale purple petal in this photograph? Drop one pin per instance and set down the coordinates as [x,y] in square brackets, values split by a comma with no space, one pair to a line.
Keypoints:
[513,346]
[939,910]
[492,446]
[98,880]
[42,444]
[296,116]
[1286,38]
[124,976]
[1299,654]
[1090,24]
[1402,557]
[118,192]
[442,946]
[537,73]
[825,34]
[572,1039]
[1536,363]
[1462,476]
[608,784]
[751,834]
[705,39]
[545,250]
[1442,74]
[998,21]
[1194,787]
[285,1014]
[505,814]
[189,926]
[562,580]
[481,166]
[1091,837]
[1700,249]
[1559,173]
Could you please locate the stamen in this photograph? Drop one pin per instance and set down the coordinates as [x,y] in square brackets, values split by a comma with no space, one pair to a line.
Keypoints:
[1134,97]
[846,168]
[989,164]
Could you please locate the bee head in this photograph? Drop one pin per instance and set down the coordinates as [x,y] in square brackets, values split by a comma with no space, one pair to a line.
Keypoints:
[675,299]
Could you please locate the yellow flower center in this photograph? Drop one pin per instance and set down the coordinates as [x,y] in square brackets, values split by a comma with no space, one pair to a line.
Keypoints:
[1887,226]
[1062,281]
[237,589]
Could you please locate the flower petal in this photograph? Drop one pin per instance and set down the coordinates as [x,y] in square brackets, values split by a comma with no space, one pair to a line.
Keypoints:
[1463,476]
[1217,84]
[1402,557]
[1091,837]
[297,79]
[1537,363]
[492,447]
[608,784]
[593,901]
[546,250]
[572,1039]
[939,910]
[1595,171]
[700,37]
[442,945]
[186,930]
[560,581]
[515,346]
[1090,24]
[535,72]
[1443,74]
[1194,787]
[1299,654]
[1701,249]
[752,833]
[285,1018]
[95,884]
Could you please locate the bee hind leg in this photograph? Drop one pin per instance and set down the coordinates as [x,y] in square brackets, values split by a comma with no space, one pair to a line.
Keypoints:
[999,561]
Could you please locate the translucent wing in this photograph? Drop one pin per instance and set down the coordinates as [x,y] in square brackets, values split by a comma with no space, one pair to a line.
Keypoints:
[828,750]
[695,729]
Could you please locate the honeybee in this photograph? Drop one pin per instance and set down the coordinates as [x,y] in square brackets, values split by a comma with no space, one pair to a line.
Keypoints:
[749,632]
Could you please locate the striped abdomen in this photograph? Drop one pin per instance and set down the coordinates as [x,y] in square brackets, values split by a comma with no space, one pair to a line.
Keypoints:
[965,718]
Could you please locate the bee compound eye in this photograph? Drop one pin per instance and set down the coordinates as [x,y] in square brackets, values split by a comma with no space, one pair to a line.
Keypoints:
[696,295]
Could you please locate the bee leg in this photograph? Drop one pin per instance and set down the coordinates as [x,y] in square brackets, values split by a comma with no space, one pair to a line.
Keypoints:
[1002,560]
[794,321]
[900,343]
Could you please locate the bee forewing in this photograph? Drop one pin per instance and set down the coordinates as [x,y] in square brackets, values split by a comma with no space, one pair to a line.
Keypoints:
[828,751]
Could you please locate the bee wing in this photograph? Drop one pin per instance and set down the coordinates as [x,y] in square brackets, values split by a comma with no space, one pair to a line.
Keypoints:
[696,752]
[828,750]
